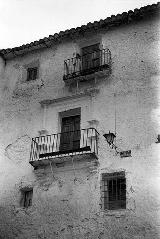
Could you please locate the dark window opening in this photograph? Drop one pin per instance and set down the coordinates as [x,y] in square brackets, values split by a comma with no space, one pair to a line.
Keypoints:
[32,73]
[114,191]
[26,200]
[90,57]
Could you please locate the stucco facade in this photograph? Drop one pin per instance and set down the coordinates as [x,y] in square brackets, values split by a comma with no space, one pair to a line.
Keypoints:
[67,200]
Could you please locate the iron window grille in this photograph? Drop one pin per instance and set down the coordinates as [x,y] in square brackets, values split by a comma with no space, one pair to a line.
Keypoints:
[114,191]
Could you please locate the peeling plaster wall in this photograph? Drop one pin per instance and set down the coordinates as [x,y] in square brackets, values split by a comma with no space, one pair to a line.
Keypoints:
[66,200]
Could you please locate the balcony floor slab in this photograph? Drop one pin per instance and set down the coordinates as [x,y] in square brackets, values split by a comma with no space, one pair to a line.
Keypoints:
[78,156]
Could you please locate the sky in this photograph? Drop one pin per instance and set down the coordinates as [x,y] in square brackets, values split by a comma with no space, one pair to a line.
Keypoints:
[24,21]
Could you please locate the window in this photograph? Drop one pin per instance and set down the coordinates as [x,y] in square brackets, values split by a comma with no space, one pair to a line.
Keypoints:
[26,200]
[32,73]
[114,191]
[90,57]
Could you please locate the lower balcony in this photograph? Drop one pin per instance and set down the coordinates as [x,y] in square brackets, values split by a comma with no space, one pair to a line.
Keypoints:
[80,144]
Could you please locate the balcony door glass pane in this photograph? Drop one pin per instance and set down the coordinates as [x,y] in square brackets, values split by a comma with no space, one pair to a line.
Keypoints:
[70,133]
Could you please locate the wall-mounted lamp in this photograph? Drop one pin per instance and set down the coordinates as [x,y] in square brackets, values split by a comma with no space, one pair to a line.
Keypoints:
[109,137]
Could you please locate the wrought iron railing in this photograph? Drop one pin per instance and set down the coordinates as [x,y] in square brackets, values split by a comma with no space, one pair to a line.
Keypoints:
[87,64]
[63,144]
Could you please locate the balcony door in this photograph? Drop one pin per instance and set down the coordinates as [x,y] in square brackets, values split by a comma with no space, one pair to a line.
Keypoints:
[70,133]
[90,57]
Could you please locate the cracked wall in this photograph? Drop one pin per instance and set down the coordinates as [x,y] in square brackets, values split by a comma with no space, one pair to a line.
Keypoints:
[67,200]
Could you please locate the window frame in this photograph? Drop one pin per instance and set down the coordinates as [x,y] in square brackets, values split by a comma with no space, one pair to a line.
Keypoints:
[118,201]
[32,73]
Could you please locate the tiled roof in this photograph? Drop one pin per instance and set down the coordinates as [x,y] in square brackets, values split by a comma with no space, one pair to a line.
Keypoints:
[108,23]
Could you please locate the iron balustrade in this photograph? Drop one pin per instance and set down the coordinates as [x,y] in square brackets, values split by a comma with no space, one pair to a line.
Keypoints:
[63,144]
[87,64]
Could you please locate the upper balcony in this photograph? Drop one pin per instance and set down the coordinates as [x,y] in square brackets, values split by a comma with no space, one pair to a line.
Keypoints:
[82,144]
[80,67]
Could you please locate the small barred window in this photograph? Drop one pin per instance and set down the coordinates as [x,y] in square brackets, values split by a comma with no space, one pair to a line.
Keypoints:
[32,73]
[26,200]
[114,191]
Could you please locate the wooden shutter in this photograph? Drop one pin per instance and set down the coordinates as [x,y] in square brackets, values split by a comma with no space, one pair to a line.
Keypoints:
[70,133]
